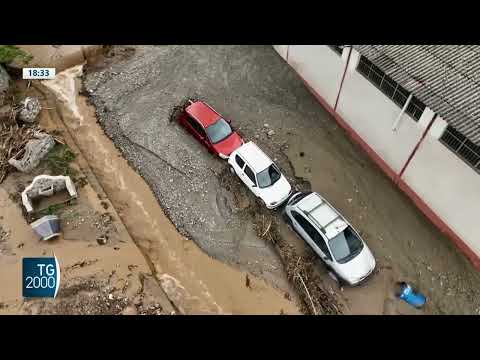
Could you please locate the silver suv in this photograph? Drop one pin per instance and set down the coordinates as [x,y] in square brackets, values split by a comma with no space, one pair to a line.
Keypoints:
[332,238]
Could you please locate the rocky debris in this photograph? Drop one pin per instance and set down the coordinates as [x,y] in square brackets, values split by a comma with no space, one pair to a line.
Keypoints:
[270,133]
[30,108]
[45,185]
[13,139]
[35,150]
[4,84]
[104,224]
[92,296]
[4,235]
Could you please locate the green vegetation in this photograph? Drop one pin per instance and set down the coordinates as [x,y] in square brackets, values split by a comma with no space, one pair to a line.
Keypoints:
[9,53]
[56,208]
[58,161]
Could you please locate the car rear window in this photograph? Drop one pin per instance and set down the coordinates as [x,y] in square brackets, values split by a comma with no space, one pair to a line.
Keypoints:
[219,131]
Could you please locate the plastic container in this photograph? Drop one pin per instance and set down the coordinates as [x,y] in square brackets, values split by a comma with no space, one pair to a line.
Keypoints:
[407,294]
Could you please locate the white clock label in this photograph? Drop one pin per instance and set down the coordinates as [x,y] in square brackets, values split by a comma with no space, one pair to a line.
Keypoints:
[39,73]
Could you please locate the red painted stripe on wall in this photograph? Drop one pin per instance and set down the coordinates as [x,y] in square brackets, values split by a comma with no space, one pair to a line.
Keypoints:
[424,208]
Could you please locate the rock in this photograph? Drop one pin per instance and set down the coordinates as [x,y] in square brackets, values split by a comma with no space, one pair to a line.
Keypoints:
[271,133]
[129,310]
[102,240]
[4,84]
[30,109]
[265,125]
[257,136]
[35,151]
[110,296]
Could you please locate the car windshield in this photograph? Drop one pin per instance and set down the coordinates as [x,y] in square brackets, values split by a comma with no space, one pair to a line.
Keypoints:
[345,246]
[219,131]
[268,177]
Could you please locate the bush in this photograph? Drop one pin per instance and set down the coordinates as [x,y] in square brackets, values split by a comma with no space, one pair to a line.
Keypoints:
[8,53]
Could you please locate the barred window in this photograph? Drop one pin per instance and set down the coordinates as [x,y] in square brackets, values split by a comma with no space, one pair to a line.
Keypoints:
[390,87]
[463,147]
[337,48]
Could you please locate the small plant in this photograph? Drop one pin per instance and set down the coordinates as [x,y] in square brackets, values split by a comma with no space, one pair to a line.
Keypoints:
[59,159]
[8,53]
[55,209]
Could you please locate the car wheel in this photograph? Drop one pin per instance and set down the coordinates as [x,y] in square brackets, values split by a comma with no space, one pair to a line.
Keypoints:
[260,202]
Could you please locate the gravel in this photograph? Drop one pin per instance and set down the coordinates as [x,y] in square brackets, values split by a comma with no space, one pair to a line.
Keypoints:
[134,98]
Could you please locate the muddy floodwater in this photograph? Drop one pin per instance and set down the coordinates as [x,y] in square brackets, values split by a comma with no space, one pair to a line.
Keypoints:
[207,285]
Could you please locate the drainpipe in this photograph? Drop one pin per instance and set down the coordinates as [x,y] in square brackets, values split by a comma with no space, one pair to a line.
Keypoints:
[416,148]
[343,78]
[397,120]
[288,49]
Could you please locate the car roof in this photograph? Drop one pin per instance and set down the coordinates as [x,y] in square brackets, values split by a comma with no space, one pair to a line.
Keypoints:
[202,113]
[254,156]
[323,215]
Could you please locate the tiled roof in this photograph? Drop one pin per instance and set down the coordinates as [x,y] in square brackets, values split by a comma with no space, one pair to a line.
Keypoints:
[446,78]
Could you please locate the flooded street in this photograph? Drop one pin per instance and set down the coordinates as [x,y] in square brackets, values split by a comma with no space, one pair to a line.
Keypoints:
[210,286]
[183,220]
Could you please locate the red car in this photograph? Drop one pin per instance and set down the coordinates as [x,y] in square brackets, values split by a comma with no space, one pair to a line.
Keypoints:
[210,128]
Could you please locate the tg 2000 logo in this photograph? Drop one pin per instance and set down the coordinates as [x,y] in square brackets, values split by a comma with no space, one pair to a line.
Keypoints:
[41,277]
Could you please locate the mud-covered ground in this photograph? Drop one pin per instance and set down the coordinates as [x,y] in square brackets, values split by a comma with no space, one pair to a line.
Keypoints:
[269,104]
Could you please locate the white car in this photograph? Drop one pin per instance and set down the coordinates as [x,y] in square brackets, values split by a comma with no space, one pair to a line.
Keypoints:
[260,174]
[331,237]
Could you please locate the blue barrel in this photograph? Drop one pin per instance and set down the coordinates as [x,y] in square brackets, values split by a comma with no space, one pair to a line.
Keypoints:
[407,294]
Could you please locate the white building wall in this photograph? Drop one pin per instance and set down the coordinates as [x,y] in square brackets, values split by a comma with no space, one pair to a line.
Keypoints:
[372,115]
[449,187]
[321,66]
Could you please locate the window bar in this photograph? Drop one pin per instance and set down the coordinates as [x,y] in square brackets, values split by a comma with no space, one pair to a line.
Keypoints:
[461,145]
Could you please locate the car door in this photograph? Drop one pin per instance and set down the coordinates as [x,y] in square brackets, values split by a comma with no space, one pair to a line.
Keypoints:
[249,179]
[197,130]
[238,165]
[311,235]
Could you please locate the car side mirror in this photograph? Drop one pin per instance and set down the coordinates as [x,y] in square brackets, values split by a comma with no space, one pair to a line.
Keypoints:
[254,185]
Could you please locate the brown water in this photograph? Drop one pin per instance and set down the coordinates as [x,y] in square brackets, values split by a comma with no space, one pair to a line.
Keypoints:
[208,286]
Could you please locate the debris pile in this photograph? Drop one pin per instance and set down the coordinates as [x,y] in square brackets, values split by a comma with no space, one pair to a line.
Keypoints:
[35,150]
[13,140]
[300,271]
[29,109]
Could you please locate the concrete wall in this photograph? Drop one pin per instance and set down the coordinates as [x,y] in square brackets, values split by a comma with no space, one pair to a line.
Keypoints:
[320,65]
[371,114]
[449,187]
